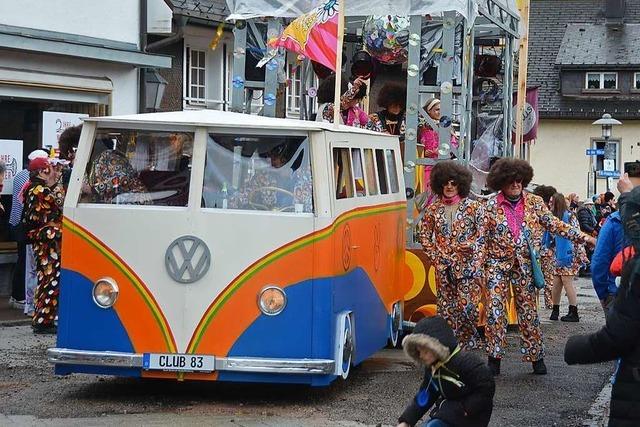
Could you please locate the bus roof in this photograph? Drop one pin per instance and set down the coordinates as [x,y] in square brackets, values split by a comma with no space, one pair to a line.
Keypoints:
[227,119]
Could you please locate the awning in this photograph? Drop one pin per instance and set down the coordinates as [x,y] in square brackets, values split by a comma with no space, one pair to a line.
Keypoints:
[52,86]
[54,43]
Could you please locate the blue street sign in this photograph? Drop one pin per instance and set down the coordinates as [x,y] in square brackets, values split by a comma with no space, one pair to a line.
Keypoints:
[595,152]
[609,174]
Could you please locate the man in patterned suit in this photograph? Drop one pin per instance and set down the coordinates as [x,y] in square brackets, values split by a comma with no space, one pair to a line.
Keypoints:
[514,218]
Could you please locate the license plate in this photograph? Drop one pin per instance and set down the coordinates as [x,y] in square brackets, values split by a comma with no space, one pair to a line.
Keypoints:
[178,362]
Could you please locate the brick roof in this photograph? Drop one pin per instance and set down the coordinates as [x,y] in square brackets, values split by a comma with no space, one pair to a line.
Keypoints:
[212,10]
[549,20]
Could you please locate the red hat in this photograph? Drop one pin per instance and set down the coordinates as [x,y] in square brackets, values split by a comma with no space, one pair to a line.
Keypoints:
[39,163]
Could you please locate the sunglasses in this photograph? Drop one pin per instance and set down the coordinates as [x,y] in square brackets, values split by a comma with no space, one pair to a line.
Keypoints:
[452,183]
[517,181]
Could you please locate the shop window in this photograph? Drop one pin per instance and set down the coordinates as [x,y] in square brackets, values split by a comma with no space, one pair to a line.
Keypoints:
[195,78]
[258,172]
[139,167]
[393,171]
[610,161]
[370,167]
[342,173]
[382,172]
[294,90]
[636,81]
[607,81]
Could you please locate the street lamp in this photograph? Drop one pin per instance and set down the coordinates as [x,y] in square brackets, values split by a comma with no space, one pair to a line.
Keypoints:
[154,89]
[607,122]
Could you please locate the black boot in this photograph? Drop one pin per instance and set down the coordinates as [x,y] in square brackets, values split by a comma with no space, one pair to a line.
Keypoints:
[494,365]
[539,368]
[572,316]
[555,312]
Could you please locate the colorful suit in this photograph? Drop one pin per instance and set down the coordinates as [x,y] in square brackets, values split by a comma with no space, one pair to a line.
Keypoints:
[457,250]
[509,264]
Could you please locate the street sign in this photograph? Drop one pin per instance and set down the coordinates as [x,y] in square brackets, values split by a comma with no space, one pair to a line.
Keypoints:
[609,174]
[609,165]
[595,152]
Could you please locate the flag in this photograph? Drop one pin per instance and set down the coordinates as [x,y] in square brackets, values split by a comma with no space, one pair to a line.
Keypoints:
[529,116]
[314,34]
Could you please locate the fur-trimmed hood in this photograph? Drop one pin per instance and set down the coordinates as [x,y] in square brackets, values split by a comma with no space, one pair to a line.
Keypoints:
[433,333]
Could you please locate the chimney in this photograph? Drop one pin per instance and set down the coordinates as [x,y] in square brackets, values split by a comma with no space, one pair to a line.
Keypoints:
[614,12]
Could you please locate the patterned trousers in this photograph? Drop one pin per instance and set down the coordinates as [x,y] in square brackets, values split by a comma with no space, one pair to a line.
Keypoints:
[548,265]
[47,254]
[458,303]
[498,283]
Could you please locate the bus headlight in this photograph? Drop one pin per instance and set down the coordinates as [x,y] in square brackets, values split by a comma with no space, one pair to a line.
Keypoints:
[272,300]
[105,292]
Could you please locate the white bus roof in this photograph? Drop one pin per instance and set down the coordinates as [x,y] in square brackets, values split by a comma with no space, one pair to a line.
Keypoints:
[210,118]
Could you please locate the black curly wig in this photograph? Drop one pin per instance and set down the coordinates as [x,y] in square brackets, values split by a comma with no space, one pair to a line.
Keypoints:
[450,170]
[392,93]
[68,141]
[506,170]
[545,191]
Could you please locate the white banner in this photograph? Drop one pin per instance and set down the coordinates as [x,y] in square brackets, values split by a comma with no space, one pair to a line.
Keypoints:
[11,155]
[54,123]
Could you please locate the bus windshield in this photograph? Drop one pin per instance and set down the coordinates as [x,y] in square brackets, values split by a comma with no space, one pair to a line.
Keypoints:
[258,172]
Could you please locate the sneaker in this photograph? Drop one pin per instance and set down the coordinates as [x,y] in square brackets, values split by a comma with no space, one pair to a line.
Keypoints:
[539,368]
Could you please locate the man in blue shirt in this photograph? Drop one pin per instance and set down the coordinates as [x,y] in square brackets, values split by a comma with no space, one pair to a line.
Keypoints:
[610,241]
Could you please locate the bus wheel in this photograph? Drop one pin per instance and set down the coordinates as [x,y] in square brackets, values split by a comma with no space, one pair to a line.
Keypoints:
[395,324]
[347,346]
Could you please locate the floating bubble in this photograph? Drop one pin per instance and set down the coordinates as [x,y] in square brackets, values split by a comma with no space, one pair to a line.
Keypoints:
[414,39]
[413,70]
[269,99]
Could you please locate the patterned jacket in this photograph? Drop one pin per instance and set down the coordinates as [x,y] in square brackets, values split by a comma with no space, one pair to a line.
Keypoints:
[503,250]
[460,246]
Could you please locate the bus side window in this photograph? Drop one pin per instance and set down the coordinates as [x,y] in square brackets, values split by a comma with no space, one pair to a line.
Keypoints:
[393,171]
[370,168]
[356,159]
[342,173]
[382,172]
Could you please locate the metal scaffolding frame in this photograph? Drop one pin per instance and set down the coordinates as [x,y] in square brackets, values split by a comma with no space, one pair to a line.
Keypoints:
[494,20]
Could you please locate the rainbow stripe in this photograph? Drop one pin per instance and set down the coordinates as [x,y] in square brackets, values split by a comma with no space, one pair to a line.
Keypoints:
[260,264]
[139,286]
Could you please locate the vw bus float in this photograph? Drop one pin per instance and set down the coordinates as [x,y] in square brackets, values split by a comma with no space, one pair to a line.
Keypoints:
[220,246]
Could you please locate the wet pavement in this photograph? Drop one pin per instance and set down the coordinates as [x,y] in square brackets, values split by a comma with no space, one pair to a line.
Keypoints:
[375,393]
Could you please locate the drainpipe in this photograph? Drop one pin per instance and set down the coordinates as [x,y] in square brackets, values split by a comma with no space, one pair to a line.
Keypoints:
[143,48]
[181,23]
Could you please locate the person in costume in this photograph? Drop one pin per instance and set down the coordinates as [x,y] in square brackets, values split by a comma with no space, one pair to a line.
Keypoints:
[514,223]
[453,238]
[42,219]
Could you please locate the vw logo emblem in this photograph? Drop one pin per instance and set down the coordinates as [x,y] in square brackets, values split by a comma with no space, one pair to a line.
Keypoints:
[187,259]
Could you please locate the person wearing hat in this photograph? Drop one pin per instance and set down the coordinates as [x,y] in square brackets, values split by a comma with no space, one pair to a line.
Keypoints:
[429,138]
[42,219]
[456,384]
[18,281]
[350,112]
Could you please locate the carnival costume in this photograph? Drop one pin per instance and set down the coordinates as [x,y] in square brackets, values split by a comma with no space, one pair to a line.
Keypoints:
[509,227]
[453,239]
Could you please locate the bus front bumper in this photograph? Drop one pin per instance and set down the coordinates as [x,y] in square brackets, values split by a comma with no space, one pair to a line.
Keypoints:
[65,356]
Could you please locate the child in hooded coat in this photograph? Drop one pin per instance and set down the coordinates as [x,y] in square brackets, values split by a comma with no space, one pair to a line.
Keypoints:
[458,385]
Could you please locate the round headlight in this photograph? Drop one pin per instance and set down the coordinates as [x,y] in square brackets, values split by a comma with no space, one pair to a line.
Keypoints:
[105,292]
[272,300]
